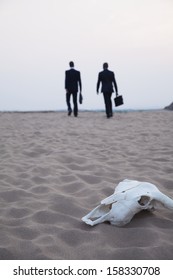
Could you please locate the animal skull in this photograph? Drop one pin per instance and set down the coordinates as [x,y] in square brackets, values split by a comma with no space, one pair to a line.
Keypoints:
[129,198]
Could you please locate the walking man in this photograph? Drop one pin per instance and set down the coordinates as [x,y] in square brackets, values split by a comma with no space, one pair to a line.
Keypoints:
[107,79]
[72,83]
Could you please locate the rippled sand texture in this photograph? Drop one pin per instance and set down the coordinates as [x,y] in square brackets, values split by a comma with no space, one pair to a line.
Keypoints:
[54,169]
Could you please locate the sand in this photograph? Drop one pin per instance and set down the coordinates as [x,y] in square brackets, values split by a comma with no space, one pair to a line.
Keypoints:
[54,169]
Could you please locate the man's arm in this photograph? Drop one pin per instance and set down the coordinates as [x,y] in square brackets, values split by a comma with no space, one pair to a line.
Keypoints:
[80,83]
[115,84]
[66,83]
[98,84]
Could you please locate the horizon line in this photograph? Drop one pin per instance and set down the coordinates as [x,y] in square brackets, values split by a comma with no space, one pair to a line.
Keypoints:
[82,110]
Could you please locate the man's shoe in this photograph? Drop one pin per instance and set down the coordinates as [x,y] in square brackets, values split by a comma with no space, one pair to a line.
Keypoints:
[69,113]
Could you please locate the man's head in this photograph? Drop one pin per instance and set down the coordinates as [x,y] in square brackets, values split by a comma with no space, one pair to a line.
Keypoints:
[71,63]
[105,65]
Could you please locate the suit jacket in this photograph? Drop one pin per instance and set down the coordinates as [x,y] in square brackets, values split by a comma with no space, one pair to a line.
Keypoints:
[72,80]
[107,78]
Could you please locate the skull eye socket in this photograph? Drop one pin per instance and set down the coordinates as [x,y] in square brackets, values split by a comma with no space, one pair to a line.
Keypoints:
[144,200]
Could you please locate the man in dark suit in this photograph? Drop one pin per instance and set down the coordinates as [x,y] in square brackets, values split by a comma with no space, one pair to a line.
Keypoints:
[107,78]
[72,81]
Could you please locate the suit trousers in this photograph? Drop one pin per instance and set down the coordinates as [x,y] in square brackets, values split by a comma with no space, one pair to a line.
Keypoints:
[108,103]
[75,105]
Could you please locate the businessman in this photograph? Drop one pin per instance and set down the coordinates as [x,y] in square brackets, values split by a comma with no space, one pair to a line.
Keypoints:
[72,84]
[107,79]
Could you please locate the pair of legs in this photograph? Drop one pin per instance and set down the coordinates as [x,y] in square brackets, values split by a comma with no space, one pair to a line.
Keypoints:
[75,106]
[108,103]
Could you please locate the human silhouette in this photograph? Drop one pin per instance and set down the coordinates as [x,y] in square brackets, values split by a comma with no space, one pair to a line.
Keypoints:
[107,79]
[72,84]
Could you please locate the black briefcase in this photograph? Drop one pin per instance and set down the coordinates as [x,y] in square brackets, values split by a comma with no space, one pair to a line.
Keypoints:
[118,100]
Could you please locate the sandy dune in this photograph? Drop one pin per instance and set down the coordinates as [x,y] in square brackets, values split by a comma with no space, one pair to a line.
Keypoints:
[54,169]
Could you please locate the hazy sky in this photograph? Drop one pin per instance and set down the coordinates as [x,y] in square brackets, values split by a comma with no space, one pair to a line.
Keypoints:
[38,38]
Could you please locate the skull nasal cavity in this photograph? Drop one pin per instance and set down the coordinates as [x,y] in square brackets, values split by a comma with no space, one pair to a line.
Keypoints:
[144,200]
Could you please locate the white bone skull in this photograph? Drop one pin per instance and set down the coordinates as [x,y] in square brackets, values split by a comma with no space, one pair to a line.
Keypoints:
[129,198]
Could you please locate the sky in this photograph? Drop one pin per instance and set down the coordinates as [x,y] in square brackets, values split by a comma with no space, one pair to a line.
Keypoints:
[38,38]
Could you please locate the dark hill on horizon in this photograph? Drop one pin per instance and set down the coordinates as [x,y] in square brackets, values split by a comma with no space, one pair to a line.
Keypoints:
[169,107]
